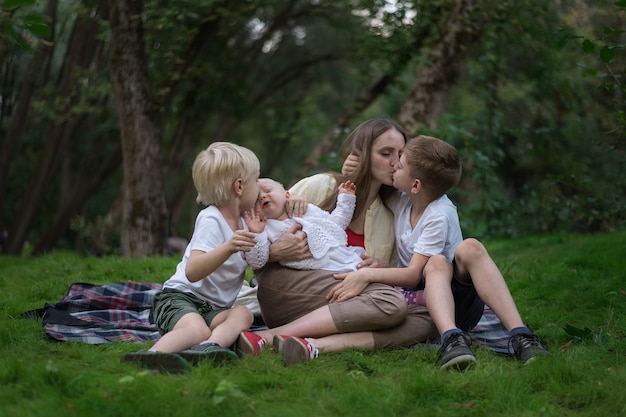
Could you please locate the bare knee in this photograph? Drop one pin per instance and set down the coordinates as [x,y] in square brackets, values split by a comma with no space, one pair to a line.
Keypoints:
[201,333]
[194,325]
[438,267]
[469,249]
[243,314]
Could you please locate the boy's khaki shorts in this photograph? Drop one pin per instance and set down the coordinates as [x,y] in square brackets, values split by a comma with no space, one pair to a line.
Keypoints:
[170,305]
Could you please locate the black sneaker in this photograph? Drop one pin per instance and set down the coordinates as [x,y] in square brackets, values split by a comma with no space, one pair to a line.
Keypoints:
[527,347]
[208,352]
[171,363]
[455,352]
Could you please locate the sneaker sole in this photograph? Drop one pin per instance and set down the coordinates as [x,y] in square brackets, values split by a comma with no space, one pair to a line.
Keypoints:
[293,352]
[278,344]
[460,362]
[244,347]
[168,362]
[532,358]
[216,358]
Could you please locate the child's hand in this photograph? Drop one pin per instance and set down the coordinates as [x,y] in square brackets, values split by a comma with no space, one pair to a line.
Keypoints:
[347,187]
[351,285]
[350,164]
[256,223]
[242,240]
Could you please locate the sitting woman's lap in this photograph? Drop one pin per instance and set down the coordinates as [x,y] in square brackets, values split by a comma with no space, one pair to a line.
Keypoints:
[286,294]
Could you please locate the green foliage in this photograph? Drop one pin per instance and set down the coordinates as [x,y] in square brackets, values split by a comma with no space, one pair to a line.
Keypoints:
[20,25]
[569,288]
[540,152]
[538,115]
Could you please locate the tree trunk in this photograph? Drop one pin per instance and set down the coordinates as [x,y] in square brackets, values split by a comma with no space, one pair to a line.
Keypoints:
[19,113]
[79,54]
[144,212]
[73,205]
[435,84]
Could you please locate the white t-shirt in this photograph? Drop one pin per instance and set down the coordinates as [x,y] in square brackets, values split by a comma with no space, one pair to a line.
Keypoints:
[221,287]
[437,232]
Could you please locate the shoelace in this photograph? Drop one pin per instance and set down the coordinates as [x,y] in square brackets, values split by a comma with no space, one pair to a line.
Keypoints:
[313,351]
[455,340]
[527,341]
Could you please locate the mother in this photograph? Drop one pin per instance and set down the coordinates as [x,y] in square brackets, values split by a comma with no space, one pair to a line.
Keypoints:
[294,302]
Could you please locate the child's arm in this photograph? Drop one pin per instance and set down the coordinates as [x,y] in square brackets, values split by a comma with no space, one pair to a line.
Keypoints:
[258,255]
[353,283]
[346,203]
[343,212]
[201,264]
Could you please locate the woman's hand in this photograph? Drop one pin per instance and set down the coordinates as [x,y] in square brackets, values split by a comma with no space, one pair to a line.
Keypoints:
[295,206]
[290,246]
[370,262]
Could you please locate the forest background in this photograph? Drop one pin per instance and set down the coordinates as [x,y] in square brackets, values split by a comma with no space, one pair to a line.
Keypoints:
[104,105]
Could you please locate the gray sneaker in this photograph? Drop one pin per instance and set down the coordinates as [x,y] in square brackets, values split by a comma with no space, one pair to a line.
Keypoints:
[208,352]
[160,361]
[527,347]
[455,352]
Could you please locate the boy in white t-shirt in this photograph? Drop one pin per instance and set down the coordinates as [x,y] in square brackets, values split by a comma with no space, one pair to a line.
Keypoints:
[325,232]
[458,275]
[195,311]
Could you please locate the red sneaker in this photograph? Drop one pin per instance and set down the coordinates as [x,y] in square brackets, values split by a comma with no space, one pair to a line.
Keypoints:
[298,350]
[249,343]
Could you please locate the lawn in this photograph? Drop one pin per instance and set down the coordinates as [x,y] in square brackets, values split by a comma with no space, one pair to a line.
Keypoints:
[571,289]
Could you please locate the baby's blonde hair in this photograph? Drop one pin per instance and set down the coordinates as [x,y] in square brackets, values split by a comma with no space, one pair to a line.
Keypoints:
[217,167]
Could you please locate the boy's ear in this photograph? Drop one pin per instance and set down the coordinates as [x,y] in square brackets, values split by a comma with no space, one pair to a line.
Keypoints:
[417,186]
[238,186]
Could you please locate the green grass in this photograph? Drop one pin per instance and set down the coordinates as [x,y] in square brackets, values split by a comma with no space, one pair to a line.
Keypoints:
[557,281]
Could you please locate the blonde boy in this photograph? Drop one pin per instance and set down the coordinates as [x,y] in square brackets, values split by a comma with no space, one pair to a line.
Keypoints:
[194,312]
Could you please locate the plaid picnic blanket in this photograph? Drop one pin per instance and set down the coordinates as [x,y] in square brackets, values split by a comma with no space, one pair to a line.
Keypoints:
[99,314]
[491,333]
[121,311]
